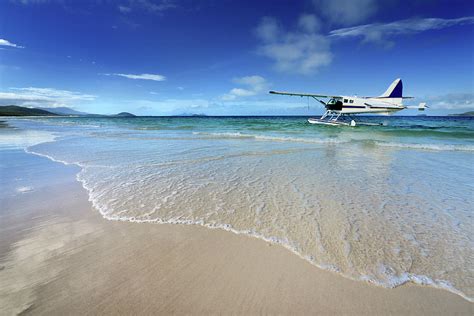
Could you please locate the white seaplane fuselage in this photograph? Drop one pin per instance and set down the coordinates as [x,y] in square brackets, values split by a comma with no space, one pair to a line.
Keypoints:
[361,105]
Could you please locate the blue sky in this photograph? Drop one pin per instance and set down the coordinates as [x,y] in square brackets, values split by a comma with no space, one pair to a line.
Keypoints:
[168,57]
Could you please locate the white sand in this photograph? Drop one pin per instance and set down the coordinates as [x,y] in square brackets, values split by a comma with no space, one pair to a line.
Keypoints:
[58,256]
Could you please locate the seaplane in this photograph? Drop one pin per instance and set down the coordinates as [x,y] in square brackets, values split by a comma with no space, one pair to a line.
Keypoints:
[340,107]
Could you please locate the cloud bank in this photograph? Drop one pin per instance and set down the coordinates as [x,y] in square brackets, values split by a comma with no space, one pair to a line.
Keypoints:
[45,97]
[168,106]
[452,101]
[305,50]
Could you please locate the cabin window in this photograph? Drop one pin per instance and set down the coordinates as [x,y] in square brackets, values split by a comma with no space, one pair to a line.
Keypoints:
[351,101]
[345,100]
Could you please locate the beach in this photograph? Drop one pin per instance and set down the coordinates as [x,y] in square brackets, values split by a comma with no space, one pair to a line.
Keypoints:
[59,256]
[78,234]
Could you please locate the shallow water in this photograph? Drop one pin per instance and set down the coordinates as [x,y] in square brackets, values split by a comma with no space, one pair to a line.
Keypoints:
[386,204]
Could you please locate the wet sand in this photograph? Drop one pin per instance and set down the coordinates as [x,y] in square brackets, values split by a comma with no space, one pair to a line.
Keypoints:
[59,256]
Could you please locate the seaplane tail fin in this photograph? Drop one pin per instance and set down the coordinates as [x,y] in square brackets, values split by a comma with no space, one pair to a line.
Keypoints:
[395,90]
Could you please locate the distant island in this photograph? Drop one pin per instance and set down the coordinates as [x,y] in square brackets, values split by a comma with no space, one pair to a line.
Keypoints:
[15,110]
[124,114]
[469,113]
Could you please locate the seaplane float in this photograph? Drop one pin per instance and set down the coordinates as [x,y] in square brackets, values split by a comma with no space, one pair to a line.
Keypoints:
[340,107]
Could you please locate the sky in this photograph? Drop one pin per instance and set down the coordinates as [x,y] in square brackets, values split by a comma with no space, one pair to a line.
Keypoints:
[169,57]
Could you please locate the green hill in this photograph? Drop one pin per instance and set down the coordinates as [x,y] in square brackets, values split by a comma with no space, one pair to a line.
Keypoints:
[62,110]
[14,110]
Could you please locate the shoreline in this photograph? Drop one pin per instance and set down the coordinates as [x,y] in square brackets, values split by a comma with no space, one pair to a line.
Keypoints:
[420,280]
[231,263]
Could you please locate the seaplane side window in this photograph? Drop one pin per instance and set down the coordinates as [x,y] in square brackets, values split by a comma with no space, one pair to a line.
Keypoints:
[332,101]
[345,100]
[351,101]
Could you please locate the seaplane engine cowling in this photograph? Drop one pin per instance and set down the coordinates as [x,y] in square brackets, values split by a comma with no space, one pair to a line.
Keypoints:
[336,106]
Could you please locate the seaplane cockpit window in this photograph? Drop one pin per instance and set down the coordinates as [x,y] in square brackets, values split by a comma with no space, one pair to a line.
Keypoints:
[332,101]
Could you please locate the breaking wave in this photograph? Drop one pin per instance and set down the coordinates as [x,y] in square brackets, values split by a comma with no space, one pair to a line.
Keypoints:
[238,135]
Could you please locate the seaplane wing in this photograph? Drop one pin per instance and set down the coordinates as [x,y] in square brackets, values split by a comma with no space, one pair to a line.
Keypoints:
[305,94]
[379,97]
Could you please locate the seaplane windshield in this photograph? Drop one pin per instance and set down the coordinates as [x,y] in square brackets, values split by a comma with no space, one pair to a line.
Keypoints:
[332,101]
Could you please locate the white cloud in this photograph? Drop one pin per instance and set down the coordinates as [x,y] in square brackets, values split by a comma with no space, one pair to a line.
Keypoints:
[253,85]
[268,29]
[302,51]
[345,12]
[239,92]
[160,6]
[309,23]
[152,6]
[257,83]
[451,101]
[154,77]
[27,2]
[379,32]
[124,9]
[46,97]
[4,42]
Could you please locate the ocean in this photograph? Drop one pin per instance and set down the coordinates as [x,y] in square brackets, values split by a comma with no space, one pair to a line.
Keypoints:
[386,204]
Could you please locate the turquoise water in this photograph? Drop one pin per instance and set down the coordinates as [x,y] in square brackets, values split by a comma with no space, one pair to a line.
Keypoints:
[385,204]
